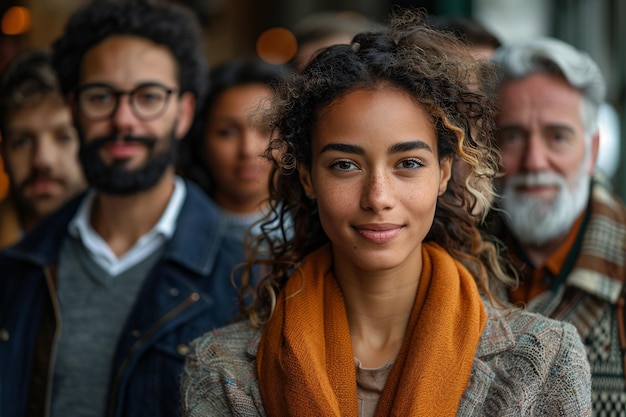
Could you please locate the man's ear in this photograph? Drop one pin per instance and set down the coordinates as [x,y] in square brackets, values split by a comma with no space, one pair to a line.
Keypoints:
[595,148]
[304,173]
[187,108]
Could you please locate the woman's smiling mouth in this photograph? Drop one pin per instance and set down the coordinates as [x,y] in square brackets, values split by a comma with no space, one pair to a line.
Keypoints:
[379,232]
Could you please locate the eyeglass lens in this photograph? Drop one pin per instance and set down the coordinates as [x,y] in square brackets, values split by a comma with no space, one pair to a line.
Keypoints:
[101,101]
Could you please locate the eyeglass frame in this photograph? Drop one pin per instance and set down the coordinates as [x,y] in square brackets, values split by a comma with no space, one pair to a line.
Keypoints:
[118,93]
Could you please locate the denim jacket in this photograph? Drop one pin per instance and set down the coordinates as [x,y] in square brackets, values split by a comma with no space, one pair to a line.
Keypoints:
[187,293]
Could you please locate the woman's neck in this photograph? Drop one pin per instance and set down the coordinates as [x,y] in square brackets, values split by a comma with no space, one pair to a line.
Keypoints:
[378,306]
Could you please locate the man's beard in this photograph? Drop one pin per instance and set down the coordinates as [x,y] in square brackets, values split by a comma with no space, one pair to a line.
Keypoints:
[534,221]
[116,179]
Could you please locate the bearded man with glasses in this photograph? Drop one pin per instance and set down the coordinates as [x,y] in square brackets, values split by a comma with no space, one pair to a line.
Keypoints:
[99,302]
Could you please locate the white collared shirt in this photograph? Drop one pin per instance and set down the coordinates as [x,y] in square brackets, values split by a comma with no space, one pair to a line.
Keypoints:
[80,227]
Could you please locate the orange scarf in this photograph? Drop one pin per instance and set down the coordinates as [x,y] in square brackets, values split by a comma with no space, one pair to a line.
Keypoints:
[305,361]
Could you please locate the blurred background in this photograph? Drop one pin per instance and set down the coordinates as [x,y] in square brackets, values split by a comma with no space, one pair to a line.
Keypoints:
[234,28]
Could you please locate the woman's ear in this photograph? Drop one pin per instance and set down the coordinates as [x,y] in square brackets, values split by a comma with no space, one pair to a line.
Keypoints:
[445,166]
[304,173]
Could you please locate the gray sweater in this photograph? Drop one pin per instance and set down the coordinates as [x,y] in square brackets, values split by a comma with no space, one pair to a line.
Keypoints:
[525,365]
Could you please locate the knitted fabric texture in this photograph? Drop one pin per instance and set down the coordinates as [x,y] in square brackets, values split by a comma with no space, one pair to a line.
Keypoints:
[589,295]
[525,365]
[305,360]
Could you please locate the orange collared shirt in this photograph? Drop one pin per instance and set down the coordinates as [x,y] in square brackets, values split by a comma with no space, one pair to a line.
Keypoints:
[533,281]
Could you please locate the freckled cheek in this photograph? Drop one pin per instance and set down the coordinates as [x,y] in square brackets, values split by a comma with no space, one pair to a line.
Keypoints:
[421,197]
[420,205]
[336,202]
[334,199]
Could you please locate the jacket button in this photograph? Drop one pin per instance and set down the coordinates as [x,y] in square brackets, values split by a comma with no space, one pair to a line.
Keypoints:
[4,335]
[182,349]
[195,296]
[174,291]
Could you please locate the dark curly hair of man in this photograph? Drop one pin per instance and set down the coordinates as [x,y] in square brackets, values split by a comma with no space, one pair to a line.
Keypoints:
[166,24]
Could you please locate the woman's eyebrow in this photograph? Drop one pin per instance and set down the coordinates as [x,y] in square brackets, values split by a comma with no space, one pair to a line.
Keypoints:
[343,147]
[358,150]
[409,146]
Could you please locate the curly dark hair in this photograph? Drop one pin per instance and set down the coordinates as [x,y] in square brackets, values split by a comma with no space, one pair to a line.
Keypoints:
[167,24]
[192,161]
[25,81]
[438,72]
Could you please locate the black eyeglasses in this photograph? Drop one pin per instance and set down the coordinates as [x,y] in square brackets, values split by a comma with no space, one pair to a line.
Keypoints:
[100,101]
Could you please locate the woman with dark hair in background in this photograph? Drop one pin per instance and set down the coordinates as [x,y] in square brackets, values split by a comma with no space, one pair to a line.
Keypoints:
[223,152]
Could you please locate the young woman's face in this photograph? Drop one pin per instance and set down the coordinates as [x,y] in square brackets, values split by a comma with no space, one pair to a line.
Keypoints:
[376,176]
[234,145]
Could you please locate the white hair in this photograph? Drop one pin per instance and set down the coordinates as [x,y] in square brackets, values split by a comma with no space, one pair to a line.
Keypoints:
[553,56]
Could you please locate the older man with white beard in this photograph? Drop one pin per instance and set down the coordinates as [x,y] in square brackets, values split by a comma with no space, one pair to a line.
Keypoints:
[563,227]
